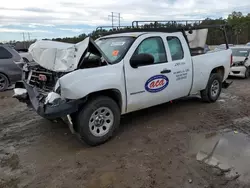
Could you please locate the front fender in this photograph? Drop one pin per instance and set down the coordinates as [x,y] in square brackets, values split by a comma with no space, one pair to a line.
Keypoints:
[82,82]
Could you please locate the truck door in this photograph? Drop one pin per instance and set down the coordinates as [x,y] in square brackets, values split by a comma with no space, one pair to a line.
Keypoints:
[180,64]
[157,83]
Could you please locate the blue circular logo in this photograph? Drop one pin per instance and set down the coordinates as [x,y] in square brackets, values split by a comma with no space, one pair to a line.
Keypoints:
[156,83]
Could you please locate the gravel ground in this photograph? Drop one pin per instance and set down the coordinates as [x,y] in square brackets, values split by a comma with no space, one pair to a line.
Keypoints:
[152,149]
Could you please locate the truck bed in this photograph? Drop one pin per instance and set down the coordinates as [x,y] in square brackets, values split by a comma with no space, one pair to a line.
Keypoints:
[203,64]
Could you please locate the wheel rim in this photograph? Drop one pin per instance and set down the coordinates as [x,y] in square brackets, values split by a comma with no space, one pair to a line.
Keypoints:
[3,82]
[215,88]
[101,121]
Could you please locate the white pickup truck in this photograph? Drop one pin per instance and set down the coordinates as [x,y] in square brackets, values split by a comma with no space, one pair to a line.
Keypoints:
[93,83]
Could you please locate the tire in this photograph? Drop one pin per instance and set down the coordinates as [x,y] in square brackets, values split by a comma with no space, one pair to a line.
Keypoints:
[98,120]
[214,84]
[4,82]
[247,73]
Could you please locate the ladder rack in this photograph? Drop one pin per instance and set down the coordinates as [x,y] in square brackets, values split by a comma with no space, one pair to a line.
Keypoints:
[168,26]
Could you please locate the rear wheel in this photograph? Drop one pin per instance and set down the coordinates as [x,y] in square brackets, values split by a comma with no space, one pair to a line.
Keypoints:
[4,82]
[98,120]
[213,89]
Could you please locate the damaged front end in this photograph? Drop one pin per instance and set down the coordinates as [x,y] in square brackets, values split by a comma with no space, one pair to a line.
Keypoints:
[40,86]
[37,89]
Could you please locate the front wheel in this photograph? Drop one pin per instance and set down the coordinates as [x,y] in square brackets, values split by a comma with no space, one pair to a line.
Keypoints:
[213,89]
[4,82]
[98,120]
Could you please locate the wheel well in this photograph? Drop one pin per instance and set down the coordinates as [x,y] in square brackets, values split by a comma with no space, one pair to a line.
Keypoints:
[112,93]
[6,76]
[220,70]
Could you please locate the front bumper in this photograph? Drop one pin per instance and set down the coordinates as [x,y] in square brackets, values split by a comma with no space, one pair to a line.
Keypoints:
[50,111]
[238,71]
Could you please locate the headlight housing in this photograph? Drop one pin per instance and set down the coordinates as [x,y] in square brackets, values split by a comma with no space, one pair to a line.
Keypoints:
[57,88]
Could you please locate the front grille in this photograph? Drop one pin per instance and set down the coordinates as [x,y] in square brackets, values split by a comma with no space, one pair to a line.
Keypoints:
[38,71]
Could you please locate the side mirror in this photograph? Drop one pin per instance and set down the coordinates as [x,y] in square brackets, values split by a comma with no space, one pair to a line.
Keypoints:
[141,59]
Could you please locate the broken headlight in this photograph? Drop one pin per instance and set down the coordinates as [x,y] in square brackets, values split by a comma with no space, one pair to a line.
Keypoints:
[239,63]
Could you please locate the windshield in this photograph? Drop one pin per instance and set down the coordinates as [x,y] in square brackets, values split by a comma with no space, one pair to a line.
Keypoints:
[240,52]
[115,48]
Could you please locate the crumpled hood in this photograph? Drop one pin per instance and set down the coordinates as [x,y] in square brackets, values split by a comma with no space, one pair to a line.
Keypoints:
[58,56]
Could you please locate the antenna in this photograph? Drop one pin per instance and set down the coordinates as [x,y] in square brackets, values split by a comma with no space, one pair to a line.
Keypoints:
[113,16]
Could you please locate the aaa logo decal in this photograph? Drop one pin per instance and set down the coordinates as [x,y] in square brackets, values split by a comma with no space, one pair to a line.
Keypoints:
[156,83]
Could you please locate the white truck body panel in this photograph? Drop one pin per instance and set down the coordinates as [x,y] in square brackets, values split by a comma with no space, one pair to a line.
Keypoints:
[138,96]
[80,83]
[204,64]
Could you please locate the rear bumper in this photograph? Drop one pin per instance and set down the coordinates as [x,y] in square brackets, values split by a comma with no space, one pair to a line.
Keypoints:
[59,109]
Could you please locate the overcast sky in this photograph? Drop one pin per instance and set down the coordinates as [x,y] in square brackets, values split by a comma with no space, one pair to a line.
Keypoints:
[60,18]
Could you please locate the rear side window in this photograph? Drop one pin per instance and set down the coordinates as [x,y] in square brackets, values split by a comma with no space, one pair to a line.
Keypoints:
[175,48]
[5,54]
[155,47]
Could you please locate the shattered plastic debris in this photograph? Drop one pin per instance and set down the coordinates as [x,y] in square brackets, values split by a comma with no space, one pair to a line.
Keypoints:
[52,96]
[19,91]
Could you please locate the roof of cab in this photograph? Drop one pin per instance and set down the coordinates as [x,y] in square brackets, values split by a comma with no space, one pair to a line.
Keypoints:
[132,34]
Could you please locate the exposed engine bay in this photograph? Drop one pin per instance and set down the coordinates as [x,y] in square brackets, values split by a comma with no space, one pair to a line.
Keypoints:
[240,63]
[44,79]
[37,76]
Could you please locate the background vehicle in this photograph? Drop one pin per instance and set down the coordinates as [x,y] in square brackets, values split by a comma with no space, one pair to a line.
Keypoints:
[26,56]
[120,73]
[241,62]
[248,44]
[223,46]
[10,72]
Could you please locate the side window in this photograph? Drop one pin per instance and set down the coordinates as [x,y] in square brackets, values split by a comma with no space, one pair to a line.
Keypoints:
[155,47]
[4,54]
[175,48]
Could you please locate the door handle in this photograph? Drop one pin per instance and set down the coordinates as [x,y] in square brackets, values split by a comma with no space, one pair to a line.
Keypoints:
[165,71]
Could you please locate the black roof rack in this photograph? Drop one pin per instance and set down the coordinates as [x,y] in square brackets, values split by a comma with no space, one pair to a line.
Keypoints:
[161,26]
[172,22]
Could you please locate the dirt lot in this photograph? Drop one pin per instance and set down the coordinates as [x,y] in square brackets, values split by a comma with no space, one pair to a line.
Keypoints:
[152,149]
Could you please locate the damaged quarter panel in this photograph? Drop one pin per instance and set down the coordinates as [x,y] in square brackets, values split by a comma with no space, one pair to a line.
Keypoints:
[82,82]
